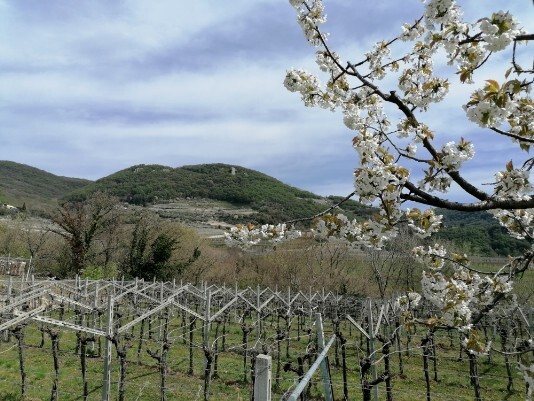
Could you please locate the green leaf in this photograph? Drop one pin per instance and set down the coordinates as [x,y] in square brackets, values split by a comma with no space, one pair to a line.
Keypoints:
[465,75]
[492,86]
[524,146]
[508,71]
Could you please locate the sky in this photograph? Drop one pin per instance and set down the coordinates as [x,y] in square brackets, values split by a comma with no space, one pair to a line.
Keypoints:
[90,87]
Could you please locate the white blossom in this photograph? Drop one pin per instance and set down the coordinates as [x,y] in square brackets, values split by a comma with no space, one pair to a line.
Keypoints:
[519,223]
[513,184]
[408,301]
[454,155]
[499,30]
[410,32]
[245,236]
[443,12]
[432,257]
[424,223]
[310,16]
[304,83]
[485,112]
[411,149]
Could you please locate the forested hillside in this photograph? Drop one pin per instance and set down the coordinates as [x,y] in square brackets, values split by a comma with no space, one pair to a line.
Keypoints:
[21,184]
[271,199]
[478,233]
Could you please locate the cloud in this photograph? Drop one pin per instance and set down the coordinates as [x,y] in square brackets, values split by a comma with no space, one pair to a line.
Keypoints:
[94,86]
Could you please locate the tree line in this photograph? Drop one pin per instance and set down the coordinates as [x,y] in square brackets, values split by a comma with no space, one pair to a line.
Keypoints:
[101,237]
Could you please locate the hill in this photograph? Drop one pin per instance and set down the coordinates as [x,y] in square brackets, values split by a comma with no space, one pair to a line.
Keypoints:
[21,184]
[478,233]
[268,199]
[210,196]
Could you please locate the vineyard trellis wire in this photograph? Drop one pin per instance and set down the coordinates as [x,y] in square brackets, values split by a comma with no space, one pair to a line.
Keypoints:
[107,315]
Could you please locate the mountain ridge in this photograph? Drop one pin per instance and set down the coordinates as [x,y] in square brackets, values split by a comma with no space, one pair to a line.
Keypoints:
[21,183]
[151,184]
[219,194]
[271,199]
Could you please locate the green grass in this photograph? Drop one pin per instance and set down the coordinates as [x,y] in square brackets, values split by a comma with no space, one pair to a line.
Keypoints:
[143,378]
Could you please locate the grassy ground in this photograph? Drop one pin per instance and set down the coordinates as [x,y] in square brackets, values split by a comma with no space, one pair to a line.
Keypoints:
[143,378]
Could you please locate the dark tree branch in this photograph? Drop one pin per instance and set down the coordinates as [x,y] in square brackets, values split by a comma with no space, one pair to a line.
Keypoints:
[527,37]
[509,134]
[346,198]
[417,195]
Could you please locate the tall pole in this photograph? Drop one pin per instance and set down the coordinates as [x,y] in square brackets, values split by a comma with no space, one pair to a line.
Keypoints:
[106,385]
[372,346]
[327,383]
[258,315]
[206,327]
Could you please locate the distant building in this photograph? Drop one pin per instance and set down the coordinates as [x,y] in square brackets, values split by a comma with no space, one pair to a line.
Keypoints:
[233,171]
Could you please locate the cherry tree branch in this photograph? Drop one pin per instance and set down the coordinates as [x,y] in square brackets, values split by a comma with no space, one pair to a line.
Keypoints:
[418,195]
[509,134]
[346,198]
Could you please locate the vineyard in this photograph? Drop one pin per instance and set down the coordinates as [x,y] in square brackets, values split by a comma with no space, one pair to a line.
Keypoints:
[137,340]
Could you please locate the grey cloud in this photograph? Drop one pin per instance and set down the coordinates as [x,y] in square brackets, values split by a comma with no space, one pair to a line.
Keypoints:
[95,129]
[106,113]
[60,12]
[267,34]
[270,33]
[357,21]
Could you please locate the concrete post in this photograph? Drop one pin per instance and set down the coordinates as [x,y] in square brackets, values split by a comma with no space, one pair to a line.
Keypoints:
[263,376]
